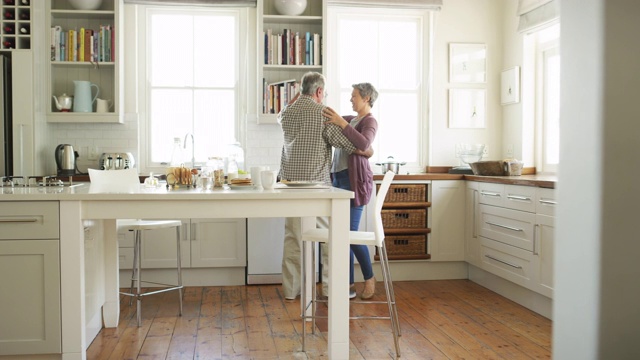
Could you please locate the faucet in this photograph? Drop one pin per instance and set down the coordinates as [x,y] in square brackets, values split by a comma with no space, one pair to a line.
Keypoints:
[193,149]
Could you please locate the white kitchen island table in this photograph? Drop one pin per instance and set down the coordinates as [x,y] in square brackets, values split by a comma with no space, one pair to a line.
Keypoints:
[84,203]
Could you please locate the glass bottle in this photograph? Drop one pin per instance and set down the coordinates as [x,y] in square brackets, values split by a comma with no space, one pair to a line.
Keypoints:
[176,153]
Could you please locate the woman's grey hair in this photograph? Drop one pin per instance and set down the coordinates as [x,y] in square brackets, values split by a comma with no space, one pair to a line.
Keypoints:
[366,89]
[311,81]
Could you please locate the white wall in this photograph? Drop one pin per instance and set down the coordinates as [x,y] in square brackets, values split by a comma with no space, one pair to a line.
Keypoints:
[597,297]
[467,21]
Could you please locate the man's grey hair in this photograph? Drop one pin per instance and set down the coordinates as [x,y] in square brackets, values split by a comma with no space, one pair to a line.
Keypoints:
[311,82]
[366,89]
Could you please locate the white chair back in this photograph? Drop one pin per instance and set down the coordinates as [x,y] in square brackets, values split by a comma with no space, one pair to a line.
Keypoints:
[114,181]
[377,215]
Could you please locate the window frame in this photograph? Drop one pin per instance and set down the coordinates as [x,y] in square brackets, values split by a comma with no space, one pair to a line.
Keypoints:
[143,52]
[334,13]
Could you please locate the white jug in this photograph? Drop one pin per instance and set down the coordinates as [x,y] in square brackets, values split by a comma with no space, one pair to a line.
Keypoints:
[82,100]
[103,106]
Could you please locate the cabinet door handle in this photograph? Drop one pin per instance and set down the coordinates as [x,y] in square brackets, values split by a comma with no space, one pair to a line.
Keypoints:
[534,238]
[548,202]
[489,193]
[504,226]
[518,197]
[475,209]
[19,220]
[504,262]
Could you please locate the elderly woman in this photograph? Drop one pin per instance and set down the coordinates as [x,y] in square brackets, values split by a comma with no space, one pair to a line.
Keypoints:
[353,172]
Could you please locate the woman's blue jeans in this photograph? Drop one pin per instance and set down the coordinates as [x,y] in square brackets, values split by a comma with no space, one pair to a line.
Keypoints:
[361,252]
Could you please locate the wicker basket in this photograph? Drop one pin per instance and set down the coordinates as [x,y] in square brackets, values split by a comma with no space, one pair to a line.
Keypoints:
[406,193]
[405,244]
[404,218]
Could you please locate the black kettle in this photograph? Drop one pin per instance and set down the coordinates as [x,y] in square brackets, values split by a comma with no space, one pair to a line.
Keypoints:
[66,160]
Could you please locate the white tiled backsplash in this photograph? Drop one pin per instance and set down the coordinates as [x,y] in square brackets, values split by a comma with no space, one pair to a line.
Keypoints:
[263,142]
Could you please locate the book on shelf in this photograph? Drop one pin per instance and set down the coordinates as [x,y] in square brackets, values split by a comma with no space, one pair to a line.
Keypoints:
[82,45]
[276,95]
[292,48]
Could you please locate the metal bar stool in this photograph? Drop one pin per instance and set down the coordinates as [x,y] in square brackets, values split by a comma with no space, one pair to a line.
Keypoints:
[138,227]
[372,238]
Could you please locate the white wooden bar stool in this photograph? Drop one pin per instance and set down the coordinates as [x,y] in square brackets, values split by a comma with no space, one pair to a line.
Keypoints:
[127,181]
[372,238]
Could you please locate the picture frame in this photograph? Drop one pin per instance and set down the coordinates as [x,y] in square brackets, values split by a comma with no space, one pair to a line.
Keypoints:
[467,63]
[510,86]
[467,108]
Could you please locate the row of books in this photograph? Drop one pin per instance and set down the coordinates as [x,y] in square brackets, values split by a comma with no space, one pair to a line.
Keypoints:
[277,95]
[83,45]
[292,48]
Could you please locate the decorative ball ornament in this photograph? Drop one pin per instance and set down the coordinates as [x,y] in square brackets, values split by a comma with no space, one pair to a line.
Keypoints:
[290,7]
[85,4]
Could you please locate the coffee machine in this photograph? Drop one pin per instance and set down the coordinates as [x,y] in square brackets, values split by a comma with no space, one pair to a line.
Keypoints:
[66,160]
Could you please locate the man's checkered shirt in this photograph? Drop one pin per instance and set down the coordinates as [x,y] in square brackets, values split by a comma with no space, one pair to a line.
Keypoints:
[307,153]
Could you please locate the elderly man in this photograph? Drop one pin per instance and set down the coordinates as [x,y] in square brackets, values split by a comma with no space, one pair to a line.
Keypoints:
[306,156]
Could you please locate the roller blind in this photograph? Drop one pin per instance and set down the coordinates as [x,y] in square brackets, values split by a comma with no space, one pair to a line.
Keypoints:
[535,14]
[234,3]
[404,4]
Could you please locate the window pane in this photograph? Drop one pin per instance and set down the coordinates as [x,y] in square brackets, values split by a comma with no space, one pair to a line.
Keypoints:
[399,45]
[355,46]
[171,116]
[215,56]
[398,134]
[552,108]
[171,50]
[214,113]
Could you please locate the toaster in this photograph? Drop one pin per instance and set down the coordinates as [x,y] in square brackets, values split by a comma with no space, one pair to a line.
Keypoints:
[116,161]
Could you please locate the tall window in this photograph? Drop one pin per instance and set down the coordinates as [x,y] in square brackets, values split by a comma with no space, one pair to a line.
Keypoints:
[191,82]
[387,48]
[547,104]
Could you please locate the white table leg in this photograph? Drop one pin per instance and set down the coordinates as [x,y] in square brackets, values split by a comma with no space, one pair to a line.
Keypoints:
[111,308]
[72,289]
[307,224]
[339,280]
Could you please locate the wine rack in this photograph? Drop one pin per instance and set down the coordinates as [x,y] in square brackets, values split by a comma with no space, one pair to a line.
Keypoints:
[15,26]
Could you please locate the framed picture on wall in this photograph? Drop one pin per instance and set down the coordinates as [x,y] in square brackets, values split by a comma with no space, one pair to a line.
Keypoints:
[467,108]
[510,86]
[467,63]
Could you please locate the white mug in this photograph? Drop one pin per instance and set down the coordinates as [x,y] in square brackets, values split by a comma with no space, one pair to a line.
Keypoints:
[255,174]
[268,179]
[103,106]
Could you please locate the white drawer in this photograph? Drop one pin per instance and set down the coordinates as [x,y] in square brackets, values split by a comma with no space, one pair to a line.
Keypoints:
[546,201]
[29,220]
[491,194]
[520,197]
[507,262]
[508,226]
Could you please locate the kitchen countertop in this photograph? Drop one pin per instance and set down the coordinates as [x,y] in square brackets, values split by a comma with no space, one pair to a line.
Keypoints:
[545,181]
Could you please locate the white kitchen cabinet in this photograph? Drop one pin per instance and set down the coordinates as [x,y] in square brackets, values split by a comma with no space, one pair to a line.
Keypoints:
[205,243]
[30,278]
[545,240]
[311,20]
[447,230]
[472,241]
[515,228]
[107,73]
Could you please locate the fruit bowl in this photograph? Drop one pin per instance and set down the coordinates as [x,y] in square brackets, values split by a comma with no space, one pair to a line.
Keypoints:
[470,153]
[488,168]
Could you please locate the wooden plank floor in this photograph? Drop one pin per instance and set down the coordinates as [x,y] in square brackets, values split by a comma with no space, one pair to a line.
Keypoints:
[446,319]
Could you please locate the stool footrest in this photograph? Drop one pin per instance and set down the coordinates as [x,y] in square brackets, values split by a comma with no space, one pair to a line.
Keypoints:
[146,293]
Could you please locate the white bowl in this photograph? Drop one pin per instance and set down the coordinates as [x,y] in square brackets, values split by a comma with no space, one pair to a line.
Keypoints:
[85,4]
[290,7]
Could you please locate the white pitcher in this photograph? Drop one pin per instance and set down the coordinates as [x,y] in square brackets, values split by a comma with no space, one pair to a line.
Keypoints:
[82,100]
[103,106]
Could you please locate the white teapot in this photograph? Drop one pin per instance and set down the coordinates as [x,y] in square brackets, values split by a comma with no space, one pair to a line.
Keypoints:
[64,102]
